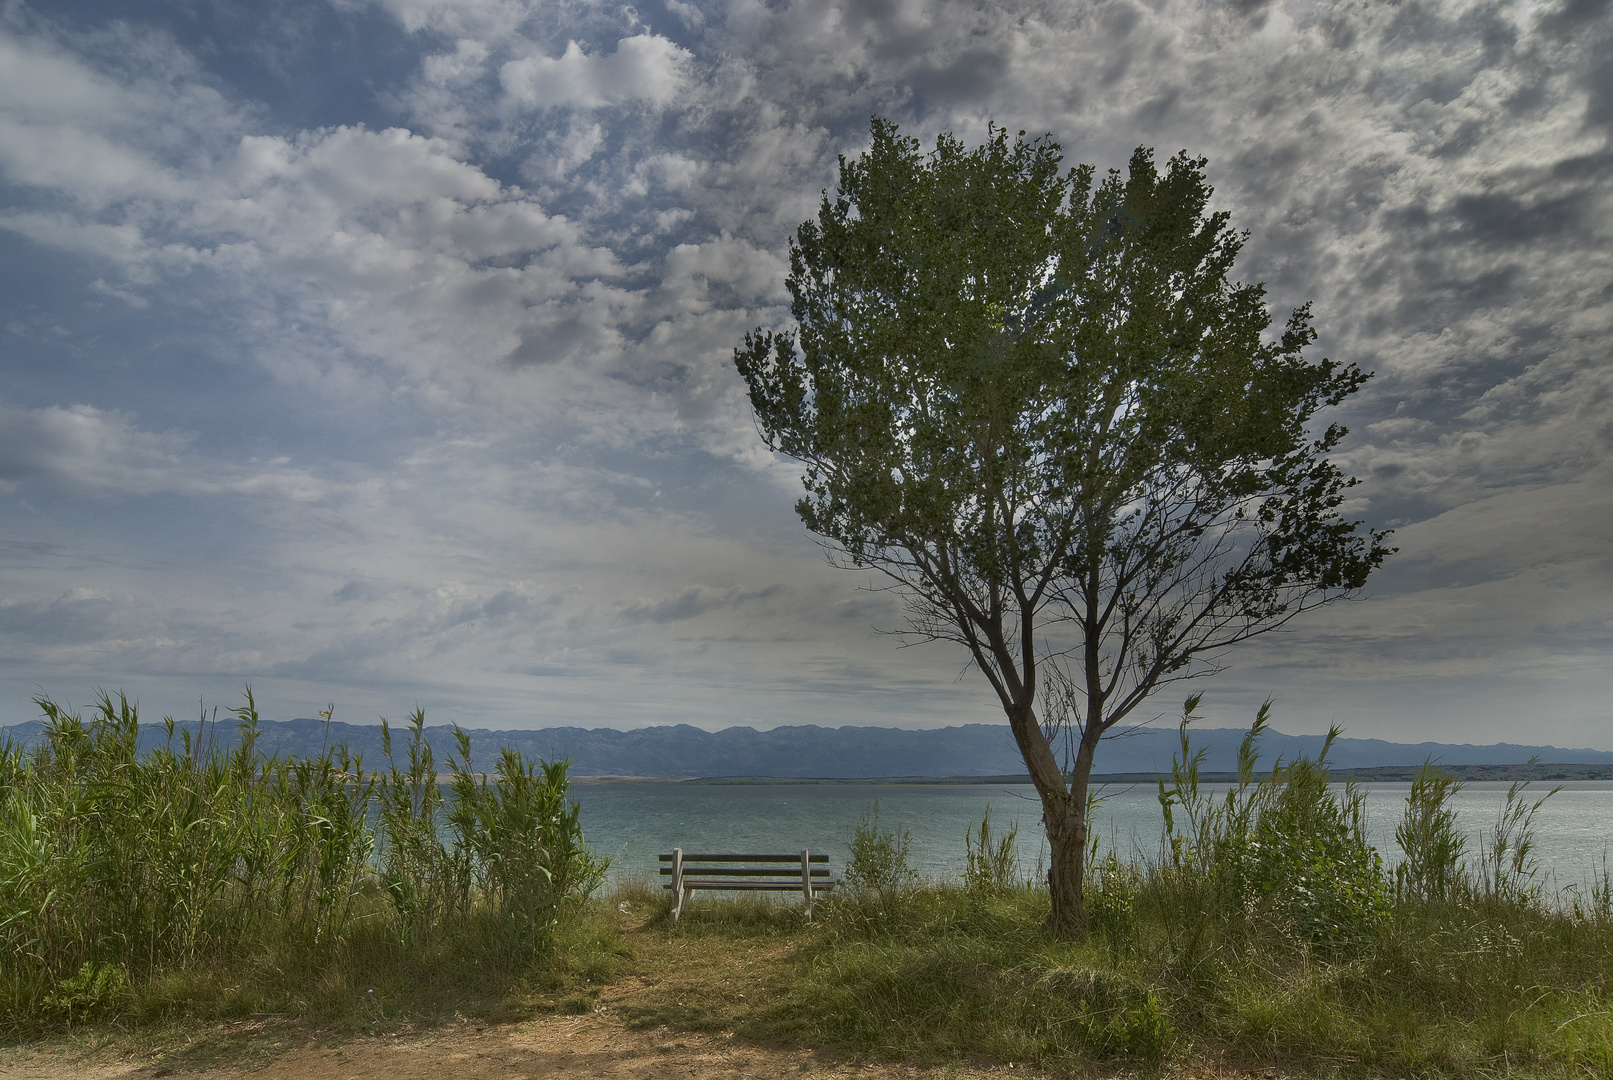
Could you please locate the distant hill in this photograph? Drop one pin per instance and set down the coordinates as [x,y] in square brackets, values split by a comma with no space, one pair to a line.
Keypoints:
[849,752]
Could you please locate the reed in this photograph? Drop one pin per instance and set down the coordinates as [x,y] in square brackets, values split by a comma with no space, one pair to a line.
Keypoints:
[1268,934]
[1434,869]
[129,881]
[991,863]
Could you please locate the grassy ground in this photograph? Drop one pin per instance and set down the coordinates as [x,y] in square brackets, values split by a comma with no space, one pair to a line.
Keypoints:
[936,975]
[186,894]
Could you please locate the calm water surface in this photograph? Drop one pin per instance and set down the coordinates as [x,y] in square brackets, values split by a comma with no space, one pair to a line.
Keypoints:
[632,823]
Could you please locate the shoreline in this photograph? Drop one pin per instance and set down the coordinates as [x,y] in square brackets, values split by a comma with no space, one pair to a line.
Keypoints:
[1531,771]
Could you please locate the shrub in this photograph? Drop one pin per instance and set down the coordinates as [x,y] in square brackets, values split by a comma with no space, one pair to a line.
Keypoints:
[1307,862]
[95,987]
[1434,867]
[877,865]
[1282,848]
[991,864]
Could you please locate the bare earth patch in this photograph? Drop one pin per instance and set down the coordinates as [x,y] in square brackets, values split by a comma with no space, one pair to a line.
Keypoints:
[664,1020]
[598,1046]
[592,1047]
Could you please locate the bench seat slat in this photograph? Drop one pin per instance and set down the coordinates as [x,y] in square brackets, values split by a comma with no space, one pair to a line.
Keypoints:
[768,872]
[742,886]
[796,859]
[741,871]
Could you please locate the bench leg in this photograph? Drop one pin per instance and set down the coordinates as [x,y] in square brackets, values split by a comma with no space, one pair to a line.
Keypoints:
[806,880]
[677,883]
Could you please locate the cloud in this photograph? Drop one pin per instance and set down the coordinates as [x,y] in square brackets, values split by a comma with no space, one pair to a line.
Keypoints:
[458,18]
[84,448]
[514,302]
[688,14]
[87,451]
[692,603]
[83,616]
[645,68]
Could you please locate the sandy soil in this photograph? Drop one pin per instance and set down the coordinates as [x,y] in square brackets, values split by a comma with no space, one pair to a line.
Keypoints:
[593,1047]
[597,1047]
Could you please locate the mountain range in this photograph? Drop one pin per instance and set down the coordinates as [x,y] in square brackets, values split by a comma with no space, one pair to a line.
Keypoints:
[683,751]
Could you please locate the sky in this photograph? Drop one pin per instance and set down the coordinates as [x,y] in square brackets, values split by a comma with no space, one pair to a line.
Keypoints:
[378,353]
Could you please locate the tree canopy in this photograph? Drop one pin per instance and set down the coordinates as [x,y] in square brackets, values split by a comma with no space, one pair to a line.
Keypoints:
[1037,401]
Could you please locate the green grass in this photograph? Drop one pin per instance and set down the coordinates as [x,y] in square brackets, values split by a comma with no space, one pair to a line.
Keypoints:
[939,974]
[209,880]
[1269,936]
[203,887]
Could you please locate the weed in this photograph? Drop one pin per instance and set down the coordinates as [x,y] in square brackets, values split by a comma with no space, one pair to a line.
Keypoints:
[95,987]
[1507,864]
[878,864]
[991,864]
[1434,869]
[1282,849]
[200,873]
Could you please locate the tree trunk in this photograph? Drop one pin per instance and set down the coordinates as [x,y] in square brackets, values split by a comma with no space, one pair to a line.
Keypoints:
[1064,813]
[1067,840]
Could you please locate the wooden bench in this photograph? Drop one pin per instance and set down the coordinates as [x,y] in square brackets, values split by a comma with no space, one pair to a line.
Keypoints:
[744,873]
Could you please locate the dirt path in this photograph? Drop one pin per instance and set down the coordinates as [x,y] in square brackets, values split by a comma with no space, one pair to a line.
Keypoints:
[680,992]
[593,1047]
[599,1045]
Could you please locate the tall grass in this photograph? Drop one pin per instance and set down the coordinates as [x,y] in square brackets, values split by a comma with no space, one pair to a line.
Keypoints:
[991,863]
[1267,933]
[1282,851]
[120,872]
[1435,848]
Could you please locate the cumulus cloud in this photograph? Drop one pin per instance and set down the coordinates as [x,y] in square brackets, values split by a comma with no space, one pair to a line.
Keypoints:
[692,603]
[84,450]
[644,67]
[526,284]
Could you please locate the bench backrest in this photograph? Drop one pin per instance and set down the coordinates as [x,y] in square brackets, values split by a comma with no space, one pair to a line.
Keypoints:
[743,873]
[743,865]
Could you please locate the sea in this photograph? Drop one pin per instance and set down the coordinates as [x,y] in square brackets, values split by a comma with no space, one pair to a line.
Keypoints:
[633,823]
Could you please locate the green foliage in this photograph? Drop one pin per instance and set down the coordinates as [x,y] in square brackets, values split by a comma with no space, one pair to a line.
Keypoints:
[1140,1030]
[1037,400]
[93,988]
[991,864]
[1111,899]
[1595,903]
[422,881]
[120,872]
[960,976]
[521,841]
[1434,870]
[1507,864]
[1473,987]
[877,865]
[1283,848]
[162,860]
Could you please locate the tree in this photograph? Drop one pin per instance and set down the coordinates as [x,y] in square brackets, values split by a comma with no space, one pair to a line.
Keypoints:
[1037,405]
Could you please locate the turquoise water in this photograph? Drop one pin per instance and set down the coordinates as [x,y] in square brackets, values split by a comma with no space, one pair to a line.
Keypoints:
[633,823]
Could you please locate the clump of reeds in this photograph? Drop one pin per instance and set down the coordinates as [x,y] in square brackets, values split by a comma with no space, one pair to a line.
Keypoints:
[1268,934]
[991,863]
[120,870]
[1284,849]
